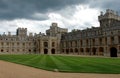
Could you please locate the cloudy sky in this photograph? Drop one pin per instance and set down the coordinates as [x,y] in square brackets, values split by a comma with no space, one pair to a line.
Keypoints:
[37,15]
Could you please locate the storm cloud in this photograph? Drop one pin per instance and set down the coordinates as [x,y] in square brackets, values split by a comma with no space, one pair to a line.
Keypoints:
[39,14]
[11,9]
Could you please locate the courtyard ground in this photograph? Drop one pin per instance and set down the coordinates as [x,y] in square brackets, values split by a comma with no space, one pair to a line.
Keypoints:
[12,70]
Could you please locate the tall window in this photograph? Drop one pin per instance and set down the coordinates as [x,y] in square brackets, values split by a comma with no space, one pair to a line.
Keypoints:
[53,44]
[105,40]
[112,40]
[75,43]
[87,42]
[71,44]
[81,43]
[45,44]
[93,40]
[100,41]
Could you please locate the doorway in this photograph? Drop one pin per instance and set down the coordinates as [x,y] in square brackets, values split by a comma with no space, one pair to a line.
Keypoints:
[45,51]
[53,51]
[113,52]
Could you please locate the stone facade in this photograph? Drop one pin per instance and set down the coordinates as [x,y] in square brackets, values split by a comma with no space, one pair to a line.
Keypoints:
[21,43]
[101,41]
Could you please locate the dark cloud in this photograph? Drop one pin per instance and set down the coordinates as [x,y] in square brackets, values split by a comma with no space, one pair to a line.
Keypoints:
[106,4]
[11,9]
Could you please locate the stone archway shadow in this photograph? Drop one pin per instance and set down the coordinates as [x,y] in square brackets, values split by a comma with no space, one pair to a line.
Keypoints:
[113,52]
[45,51]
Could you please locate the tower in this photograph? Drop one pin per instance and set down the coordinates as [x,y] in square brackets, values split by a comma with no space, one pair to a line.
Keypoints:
[21,32]
[109,19]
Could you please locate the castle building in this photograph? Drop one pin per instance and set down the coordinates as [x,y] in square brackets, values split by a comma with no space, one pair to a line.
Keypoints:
[21,43]
[100,41]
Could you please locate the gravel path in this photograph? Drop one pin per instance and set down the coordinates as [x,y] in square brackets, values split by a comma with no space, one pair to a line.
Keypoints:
[11,70]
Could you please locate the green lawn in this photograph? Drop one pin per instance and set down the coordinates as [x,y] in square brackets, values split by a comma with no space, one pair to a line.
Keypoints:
[67,63]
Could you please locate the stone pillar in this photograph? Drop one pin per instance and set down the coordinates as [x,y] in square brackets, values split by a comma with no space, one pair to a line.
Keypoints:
[41,47]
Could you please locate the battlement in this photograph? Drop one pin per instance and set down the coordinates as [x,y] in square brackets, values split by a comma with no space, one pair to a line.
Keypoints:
[109,14]
[25,29]
[54,24]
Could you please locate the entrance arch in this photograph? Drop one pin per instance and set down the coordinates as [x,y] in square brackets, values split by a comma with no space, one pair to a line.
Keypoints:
[45,51]
[53,51]
[113,52]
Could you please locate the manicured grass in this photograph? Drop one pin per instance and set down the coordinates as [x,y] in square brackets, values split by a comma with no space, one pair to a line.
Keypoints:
[67,63]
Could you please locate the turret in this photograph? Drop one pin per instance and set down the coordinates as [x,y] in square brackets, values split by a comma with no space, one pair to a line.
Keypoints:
[109,19]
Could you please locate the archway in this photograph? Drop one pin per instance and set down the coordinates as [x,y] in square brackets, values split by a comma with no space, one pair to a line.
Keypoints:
[76,50]
[71,50]
[2,50]
[94,50]
[113,52]
[101,50]
[45,51]
[62,50]
[67,51]
[87,50]
[29,51]
[53,51]
[81,50]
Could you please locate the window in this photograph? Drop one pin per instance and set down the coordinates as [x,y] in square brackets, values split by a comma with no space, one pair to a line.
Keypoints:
[100,41]
[112,39]
[2,50]
[12,44]
[23,49]
[45,44]
[13,50]
[93,40]
[29,50]
[29,44]
[71,44]
[18,43]
[81,42]
[87,42]
[75,43]
[53,44]
[23,44]
[18,50]
[105,40]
